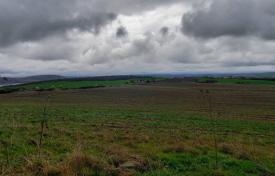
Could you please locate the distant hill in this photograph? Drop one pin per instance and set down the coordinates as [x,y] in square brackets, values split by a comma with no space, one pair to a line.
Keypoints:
[20,80]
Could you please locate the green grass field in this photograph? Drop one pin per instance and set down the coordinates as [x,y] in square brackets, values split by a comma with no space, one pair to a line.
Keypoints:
[163,128]
[236,81]
[77,84]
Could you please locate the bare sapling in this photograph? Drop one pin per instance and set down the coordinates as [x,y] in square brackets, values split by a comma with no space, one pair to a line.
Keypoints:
[43,126]
[214,119]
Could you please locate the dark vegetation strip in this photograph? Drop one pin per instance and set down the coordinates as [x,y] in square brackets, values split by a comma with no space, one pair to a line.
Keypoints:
[79,83]
[241,80]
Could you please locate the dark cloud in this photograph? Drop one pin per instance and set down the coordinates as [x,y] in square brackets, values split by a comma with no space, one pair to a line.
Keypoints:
[30,20]
[121,32]
[62,40]
[164,31]
[232,18]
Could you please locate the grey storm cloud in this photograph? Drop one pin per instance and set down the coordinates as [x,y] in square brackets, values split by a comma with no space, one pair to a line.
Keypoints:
[121,32]
[67,36]
[164,31]
[30,20]
[232,18]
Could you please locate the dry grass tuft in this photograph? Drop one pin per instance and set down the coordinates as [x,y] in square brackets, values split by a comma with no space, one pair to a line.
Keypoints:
[125,162]
[40,167]
[77,164]
[227,148]
[178,148]
[237,150]
[80,163]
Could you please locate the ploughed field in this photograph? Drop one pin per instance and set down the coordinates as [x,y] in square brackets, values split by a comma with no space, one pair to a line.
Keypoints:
[170,127]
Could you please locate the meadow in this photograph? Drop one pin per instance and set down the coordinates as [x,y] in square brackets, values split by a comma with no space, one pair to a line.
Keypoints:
[255,81]
[160,128]
[66,84]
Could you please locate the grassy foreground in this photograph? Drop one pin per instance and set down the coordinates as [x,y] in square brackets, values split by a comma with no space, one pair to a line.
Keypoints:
[164,128]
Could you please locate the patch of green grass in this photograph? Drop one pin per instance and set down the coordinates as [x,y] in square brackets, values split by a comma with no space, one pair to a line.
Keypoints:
[77,84]
[138,130]
[236,81]
[203,164]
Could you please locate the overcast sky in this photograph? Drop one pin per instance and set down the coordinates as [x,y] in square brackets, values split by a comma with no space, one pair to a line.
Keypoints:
[105,37]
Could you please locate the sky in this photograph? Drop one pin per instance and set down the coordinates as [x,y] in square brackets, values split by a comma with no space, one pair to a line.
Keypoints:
[114,37]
